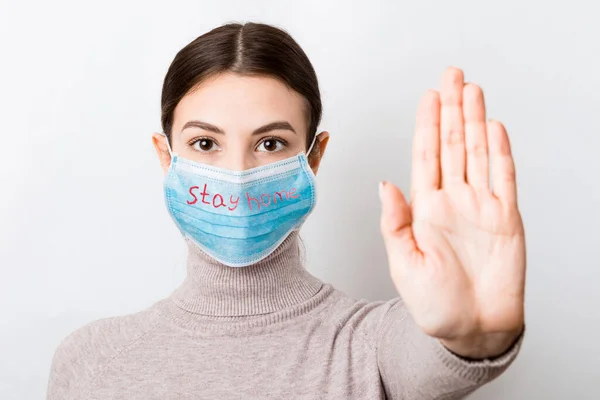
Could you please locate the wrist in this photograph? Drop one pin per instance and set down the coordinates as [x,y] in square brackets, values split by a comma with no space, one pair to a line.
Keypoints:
[481,346]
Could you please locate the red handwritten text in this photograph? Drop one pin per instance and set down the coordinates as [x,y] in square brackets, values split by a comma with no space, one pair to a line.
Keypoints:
[254,202]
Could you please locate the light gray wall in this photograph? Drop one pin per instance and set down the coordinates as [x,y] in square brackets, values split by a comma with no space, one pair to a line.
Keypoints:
[83,229]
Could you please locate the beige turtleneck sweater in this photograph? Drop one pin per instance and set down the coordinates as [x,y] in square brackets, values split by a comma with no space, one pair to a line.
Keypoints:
[268,331]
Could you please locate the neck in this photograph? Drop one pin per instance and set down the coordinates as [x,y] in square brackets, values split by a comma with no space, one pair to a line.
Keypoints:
[278,281]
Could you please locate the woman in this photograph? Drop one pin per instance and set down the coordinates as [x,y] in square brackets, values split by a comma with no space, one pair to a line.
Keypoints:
[239,149]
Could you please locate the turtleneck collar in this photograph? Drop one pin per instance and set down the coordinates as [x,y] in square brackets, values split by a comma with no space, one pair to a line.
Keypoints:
[214,289]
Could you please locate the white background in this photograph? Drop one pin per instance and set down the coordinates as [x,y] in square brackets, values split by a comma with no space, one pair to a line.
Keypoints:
[84,233]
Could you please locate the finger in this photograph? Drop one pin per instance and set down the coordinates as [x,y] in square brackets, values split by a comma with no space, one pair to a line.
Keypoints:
[503,167]
[396,228]
[476,138]
[452,157]
[426,145]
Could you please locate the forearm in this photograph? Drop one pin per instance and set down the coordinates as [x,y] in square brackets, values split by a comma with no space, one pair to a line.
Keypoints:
[417,366]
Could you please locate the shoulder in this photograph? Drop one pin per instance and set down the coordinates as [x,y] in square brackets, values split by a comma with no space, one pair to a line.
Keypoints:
[83,353]
[363,316]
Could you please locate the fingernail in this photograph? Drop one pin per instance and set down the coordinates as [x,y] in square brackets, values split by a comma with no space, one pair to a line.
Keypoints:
[381,183]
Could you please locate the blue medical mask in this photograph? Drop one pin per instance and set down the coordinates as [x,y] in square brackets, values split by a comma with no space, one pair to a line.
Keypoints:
[239,217]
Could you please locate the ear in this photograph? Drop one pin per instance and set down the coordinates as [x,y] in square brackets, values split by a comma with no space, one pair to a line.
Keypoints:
[316,154]
[162,151]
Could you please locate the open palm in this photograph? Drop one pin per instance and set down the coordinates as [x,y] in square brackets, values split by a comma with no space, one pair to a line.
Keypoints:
[457,251]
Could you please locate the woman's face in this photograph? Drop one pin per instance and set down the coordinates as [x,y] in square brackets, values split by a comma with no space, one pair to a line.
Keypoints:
[239,122]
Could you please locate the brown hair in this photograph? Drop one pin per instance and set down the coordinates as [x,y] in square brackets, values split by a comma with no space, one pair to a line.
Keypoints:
[250,49]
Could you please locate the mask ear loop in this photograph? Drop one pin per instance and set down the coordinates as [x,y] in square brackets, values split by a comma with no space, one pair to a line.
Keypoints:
[167,141]
[311,145]
[307,154]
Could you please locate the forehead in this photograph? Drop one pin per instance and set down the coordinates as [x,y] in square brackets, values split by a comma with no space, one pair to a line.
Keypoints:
[241,103]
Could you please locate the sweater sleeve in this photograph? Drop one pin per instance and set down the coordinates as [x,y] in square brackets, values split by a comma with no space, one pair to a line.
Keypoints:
[416,366]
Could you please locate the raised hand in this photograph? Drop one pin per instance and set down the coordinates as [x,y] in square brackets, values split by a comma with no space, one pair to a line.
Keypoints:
[456,252]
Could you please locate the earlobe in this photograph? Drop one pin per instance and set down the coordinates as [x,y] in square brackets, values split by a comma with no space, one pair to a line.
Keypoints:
[160,146]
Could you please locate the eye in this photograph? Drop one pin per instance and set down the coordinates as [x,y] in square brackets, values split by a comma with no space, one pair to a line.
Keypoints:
[271,145]
[205,145]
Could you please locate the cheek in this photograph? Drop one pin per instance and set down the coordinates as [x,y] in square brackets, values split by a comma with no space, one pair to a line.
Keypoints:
[297,144]
[178,144]
[295,147]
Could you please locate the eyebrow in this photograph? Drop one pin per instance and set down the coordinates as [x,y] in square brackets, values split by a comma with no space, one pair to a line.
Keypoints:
[277,125]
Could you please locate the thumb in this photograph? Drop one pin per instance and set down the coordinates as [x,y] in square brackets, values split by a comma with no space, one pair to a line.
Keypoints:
[396,224]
